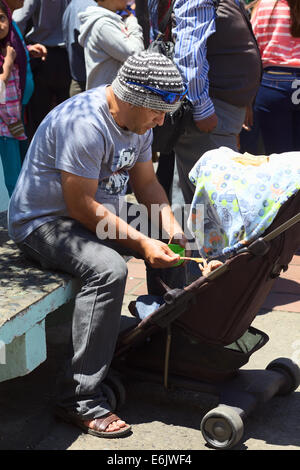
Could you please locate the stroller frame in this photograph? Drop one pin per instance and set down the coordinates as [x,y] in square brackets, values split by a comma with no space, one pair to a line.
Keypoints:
[237,392]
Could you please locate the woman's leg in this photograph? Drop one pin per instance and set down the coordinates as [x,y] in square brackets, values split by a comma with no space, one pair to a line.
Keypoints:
[296,129]
[275,109]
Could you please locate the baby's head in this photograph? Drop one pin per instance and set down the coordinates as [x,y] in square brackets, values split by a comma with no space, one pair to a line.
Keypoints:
[4,20]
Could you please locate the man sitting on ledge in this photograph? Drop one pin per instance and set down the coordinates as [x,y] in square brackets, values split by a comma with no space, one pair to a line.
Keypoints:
[79,162]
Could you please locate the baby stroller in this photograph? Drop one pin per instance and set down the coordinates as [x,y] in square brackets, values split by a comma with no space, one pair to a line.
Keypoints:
[201,336]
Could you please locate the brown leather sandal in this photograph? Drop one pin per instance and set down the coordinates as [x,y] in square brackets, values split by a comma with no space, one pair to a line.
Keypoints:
[101,424]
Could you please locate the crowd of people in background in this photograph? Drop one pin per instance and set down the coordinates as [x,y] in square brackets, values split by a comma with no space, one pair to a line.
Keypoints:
[51,50]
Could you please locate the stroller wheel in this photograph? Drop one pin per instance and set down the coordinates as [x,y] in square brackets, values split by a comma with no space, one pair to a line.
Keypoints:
[115,383]
[110,396]
[222,427]
[290,370]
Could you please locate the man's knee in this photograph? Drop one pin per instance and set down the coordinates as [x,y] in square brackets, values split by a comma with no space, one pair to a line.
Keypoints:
[119,268]
[112,268]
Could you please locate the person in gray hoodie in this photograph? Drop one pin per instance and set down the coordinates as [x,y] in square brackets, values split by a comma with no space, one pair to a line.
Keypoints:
[108,40]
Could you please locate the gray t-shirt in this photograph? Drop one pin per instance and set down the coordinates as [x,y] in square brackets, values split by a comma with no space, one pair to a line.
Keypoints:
[81,137]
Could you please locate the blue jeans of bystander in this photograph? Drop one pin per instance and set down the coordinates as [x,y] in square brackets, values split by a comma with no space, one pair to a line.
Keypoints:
[277,109]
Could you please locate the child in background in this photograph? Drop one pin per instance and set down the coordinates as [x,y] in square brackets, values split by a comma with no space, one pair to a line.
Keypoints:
[108,40]
[130,9]
[12,61]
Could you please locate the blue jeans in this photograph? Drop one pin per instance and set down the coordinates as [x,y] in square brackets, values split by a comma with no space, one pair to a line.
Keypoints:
[277,114]
[67,246]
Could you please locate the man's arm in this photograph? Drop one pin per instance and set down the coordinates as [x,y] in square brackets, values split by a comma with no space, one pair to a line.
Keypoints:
[149,191]
[79,195]
[194,24]
[22,15]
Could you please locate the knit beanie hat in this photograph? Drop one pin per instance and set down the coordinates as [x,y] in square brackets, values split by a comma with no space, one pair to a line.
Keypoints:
[151,69]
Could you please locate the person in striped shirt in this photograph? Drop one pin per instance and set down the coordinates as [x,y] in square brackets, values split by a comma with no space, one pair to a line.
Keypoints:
[217,54]
[276,24]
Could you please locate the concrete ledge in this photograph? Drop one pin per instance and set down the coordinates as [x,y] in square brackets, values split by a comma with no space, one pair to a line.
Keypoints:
[24,354]
[35,313]
[27,295]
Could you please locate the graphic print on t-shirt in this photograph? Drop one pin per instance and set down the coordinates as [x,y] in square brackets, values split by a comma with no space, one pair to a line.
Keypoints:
[117,181]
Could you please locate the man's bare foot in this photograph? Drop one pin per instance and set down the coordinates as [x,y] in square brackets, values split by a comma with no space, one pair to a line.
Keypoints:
[109,425]
[114,426]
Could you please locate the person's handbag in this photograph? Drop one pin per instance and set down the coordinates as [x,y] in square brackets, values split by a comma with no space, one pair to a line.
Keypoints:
[166,136]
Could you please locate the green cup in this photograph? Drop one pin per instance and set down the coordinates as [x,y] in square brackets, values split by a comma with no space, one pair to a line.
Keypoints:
[179,250]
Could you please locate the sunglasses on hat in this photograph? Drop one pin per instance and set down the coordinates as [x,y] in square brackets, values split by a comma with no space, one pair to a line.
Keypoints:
[167,96]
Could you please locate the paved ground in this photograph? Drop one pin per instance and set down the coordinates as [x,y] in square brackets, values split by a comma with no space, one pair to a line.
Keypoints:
[161,421]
